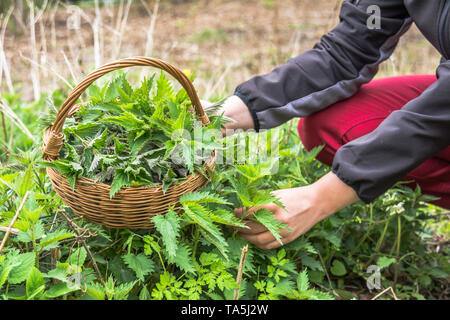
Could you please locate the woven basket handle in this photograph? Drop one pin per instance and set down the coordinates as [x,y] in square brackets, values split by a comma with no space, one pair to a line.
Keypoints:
[53,135]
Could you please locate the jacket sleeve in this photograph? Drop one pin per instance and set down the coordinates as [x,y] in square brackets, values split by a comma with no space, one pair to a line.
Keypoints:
[404,140]
[344,59]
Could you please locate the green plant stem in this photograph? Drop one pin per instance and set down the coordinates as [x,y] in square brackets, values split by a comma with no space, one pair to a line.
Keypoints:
[196,240]
[36,252]
[393,247]
[397,255]
[379,243]
[161,260]
[326,273]
[369,228]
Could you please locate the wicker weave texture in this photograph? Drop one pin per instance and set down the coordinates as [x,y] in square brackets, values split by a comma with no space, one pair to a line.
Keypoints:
[131,207]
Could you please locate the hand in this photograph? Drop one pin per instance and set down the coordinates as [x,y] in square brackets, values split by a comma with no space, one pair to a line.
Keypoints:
[305,206]
[234,108]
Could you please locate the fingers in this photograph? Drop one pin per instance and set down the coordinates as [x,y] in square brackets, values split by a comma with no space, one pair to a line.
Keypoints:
[273,245]
[253,227]
[257,234]
[264,240]
[259,239]
[243,213]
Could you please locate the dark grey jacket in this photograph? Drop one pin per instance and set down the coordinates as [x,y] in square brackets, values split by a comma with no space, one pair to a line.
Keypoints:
[344,59]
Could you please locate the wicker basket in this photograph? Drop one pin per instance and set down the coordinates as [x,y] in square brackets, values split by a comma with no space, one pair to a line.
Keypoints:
[131,207]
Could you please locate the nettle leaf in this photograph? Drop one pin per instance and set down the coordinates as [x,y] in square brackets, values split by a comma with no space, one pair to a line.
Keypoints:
[77,257]
[142,94]
[26,182]
[164,89]
[96,291]
[311,263]
[83,130]
[267,218]
[179,123]
[122,291]
[70,169]
[338,268]
[140,264]
[95,162]
[284,287]
[25,262]
[72,153]
[123,137]
[227,218]
[60,272]
[217,241]
[4,275]
[169,228]
[263,197]
[35,284]
[118,89]
[173,109]
[242,192]
[384,262]
[136,145]
[201,216]
[303,281]
[256,171]
[99,140]
[59,290]
[202,197]
[127,120]
[119,146]
[301,244]
[121,179]
[183,259]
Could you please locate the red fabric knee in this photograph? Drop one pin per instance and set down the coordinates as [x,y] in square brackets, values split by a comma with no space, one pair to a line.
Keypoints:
[362,113]
[311,137]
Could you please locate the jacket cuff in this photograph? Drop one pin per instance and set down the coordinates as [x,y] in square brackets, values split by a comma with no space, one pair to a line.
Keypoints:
[339,170]
[246,101]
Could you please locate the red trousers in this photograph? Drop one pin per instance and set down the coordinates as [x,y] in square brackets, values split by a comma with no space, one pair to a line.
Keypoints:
[362,113]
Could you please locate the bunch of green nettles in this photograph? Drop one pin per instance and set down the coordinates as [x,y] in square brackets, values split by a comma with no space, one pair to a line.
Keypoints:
[128,136]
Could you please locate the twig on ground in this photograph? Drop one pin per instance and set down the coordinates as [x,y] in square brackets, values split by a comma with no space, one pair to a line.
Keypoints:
[8,231]
[11,230]
[384,291]
[240,272]
[80,238]
[326,273]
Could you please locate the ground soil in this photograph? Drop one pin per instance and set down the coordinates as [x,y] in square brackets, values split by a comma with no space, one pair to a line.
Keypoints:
[225,42]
